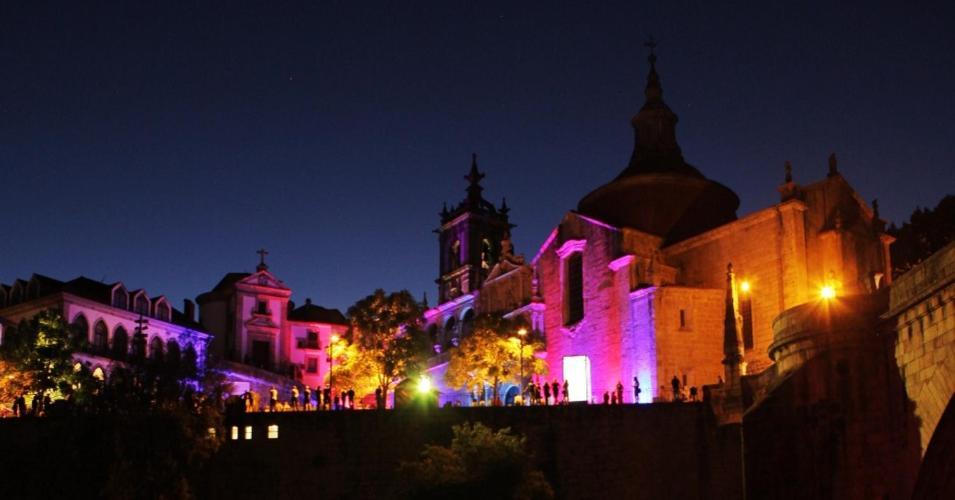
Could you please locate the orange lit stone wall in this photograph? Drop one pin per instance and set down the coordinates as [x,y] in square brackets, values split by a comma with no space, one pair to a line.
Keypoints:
[924,315]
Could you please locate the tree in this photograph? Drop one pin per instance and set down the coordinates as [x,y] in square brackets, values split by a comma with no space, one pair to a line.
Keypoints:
[925,233]
[491,355]
[480,463]
[354,368]
[387,328]
[41,352]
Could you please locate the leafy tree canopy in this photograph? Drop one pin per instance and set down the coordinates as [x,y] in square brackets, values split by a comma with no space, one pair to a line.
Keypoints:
[925,233]
[491,355]
[387,330]
[480,463]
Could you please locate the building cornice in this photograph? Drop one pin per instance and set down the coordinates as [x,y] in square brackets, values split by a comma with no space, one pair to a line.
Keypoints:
[571,246]
[737,225]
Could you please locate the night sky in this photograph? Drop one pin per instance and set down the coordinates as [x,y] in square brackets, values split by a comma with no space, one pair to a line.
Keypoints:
[163,147]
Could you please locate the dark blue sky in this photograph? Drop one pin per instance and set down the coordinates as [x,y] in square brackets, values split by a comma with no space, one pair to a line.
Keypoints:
[163,147]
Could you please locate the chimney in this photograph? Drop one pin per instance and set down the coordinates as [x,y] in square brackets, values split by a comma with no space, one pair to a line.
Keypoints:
[189,309]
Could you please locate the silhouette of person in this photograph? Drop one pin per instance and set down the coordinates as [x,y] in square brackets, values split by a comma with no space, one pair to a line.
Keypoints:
[273,398]
[619,392]
[606,397]
[566,392]
[675,382]
[351,398]
[693,393]
[380,405]
[546,394]
[613,398]
[636,390]
[307,398]
[293,400]
[555,390]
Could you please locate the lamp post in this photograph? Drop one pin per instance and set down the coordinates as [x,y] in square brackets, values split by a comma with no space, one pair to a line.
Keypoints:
[331,342]
[520,335]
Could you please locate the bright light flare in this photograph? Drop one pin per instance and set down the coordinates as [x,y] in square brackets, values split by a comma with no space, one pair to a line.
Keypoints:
[424,385]
[744,286]
[522,332]
[827,292]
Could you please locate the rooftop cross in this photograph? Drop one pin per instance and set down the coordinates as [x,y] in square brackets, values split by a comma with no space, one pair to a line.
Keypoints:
[262,253]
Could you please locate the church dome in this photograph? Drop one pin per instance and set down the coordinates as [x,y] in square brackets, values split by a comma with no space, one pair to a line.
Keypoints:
[659,192]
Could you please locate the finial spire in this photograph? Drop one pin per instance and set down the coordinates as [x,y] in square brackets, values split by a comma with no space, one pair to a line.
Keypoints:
[653,92]
[474,182]
[875,208]
[262,266]
[833,165]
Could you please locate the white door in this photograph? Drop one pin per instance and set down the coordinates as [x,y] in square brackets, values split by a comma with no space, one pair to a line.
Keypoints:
[577,375]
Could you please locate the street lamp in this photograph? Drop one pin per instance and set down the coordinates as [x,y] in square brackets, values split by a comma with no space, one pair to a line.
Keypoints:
[520,335]
[331,341]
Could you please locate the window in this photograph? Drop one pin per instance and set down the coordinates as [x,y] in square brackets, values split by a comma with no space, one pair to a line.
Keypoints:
[486,256]
[142,305]
[683,319]
[262,307]
[120,299]
[162,312]
[100,337]
[120,343]
[235,432]
[311,341]
[573,288]
[273,432]
[80,330]
[156,349]
[248,432]
[212,432]
[746,310]
[311,365]
[454,255]
[99,374]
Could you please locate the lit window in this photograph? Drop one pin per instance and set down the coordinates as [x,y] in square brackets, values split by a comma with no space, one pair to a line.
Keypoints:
[235,432]
[248,432]
[273,432]
[98,374]
[212,432]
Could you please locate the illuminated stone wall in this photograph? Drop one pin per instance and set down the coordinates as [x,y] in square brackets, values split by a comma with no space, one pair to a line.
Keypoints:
[923,313]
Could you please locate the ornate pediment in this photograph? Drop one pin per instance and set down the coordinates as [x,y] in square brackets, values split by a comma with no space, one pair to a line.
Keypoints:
[263,279]
[262,322]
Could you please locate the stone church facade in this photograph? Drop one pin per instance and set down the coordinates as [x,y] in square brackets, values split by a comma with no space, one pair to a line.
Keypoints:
[632,284]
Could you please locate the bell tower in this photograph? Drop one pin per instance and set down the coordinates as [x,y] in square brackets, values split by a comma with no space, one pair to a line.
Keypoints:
[469,239]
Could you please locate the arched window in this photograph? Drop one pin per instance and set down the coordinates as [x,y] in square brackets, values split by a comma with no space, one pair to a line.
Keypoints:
[100,337]
[172,356]
[142,304]
[189,361]
[156,349]
[120,298]
[138,352]
[454,255]
[467,323]
[80,331]
[120,343]
[487,257]
[162,311]
[449,333]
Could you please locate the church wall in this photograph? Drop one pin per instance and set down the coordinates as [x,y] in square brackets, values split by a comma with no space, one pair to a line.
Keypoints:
[599,334]
[694,352]
[755,245]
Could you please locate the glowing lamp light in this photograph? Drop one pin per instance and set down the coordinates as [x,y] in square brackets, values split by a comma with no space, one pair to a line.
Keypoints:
[334,338]
[522,332]
[424,385]
[744,286]
[827,292]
